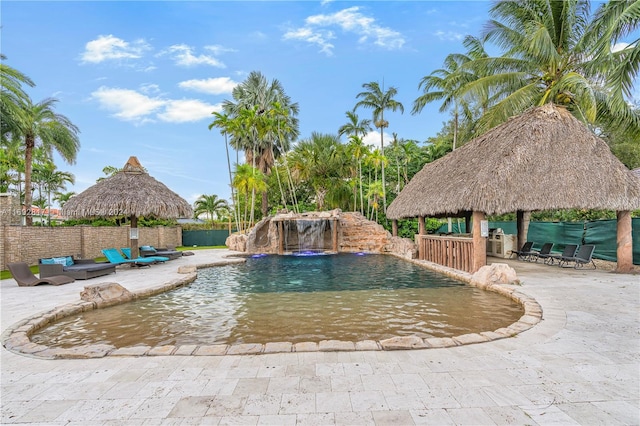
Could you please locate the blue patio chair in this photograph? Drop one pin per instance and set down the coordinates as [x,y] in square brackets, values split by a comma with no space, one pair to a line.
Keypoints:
[115,257]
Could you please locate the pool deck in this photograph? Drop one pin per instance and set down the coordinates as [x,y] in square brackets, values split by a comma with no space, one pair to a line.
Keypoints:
[579,365]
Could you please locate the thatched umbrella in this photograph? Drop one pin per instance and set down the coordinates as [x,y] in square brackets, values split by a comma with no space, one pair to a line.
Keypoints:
[540,160]
[130,192]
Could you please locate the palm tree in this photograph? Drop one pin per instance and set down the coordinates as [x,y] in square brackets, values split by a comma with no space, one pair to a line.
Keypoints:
[247,180]
[12,163]
[51,180]
[445,84]
[374,193]
[210,205]
[379,101]
[282,125]
[256,132]
[223,122]
[108,171]
[358,150]
[555,53]
[320,162]
[41,124]
[355,126]
[12,96]
[63,197]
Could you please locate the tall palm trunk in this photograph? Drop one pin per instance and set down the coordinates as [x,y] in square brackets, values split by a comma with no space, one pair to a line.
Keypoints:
[28,196]
[361,191]
[233,192]
[384,185]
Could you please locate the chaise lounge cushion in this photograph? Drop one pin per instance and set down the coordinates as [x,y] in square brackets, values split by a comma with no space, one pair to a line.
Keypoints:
[80,269]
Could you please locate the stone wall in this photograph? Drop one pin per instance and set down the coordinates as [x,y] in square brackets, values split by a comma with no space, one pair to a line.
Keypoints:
[357,233]
[30,243]
[10,213]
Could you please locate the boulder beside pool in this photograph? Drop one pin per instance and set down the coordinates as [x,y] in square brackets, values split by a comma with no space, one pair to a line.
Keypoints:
[105,294]
[496,273]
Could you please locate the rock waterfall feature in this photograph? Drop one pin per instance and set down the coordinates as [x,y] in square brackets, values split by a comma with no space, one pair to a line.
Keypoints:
[329,232]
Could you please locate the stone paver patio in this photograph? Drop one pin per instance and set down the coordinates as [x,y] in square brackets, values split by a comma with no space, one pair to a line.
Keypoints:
[579,365]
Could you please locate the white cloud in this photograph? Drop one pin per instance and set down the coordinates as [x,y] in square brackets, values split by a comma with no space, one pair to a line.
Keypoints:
[187,110]
[619,46]
[150,88]
[139,108]
[109,47]
[184,56]
[348,20]
[216,49]
[321,38]
[373,139]
[127,105]
[213,86]
[449,35]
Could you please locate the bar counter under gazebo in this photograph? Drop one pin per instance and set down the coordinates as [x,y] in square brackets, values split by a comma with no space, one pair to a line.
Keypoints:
[543,159]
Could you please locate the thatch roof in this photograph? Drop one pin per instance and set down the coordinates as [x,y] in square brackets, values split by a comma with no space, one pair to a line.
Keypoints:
[636,172]
[129,192]
[542,159]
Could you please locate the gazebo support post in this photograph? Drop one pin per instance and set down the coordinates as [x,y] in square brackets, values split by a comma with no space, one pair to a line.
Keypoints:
[479,242]
[522,219]
[134,241]
[625,242]
[422,230]
[394,227]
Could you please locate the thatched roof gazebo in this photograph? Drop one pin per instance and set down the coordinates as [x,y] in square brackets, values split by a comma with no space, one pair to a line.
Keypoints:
[542,159]
[130,192]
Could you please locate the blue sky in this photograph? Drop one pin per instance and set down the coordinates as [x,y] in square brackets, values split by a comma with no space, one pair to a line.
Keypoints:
[142,78]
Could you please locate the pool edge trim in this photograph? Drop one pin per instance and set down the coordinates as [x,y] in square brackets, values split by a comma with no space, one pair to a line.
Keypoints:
[16,338]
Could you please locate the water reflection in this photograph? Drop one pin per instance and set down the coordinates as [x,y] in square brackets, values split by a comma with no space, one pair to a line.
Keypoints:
[294,299]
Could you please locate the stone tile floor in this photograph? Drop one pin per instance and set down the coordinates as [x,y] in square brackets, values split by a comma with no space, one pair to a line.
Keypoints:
[579,365]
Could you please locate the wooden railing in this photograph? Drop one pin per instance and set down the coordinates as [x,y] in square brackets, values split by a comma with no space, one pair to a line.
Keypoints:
[453,252]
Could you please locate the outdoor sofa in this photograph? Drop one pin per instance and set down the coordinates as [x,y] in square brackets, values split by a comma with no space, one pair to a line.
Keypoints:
[80,269]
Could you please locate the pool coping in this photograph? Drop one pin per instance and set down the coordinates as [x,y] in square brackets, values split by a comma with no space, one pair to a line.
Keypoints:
[16,338]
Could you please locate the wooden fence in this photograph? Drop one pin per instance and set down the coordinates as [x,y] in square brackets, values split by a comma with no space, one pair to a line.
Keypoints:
[453,252]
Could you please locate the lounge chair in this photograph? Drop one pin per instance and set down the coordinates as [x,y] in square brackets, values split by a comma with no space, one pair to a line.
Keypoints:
[568,253]
[523,253]
[25,278]
[127,253]
[543,253]
[583,256]
[148,251]
[80,269]
[115,257]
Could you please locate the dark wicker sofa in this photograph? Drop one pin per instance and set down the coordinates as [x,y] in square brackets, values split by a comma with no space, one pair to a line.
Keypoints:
[80,269]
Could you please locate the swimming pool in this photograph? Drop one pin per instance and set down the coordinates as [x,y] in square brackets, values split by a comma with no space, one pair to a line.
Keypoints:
[294,299]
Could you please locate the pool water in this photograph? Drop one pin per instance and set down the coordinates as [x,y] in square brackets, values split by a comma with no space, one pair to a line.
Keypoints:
[294,299]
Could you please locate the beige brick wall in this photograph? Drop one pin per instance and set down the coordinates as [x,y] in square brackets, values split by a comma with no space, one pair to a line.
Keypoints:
[28,244]
[9,209]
